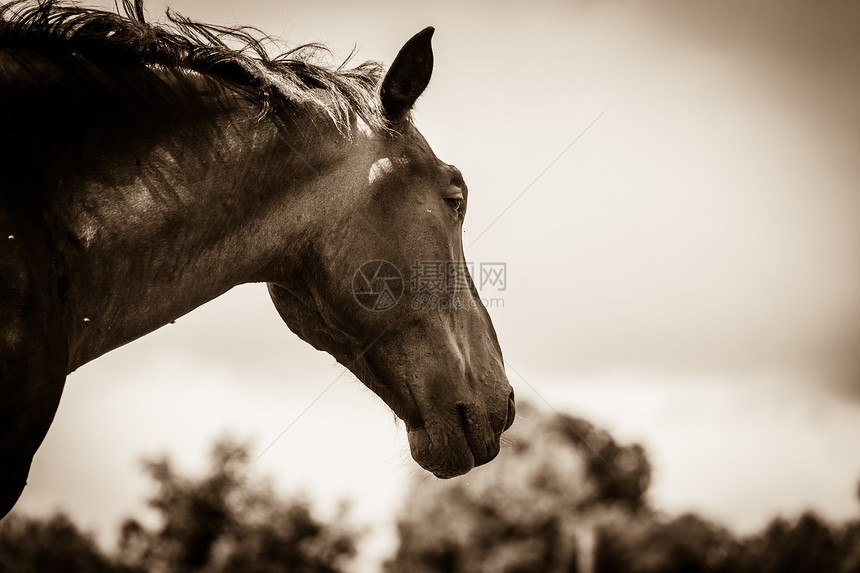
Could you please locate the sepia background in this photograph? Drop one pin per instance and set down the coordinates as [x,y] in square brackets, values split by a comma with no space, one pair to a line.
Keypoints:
[674,189]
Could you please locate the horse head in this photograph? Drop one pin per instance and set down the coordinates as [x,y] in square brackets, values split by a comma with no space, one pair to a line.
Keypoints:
[387,290]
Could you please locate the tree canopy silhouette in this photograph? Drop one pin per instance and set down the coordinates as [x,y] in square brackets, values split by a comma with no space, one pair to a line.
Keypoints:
[224,522]
[221,522]
[563,497]
[566,497]
[34,545]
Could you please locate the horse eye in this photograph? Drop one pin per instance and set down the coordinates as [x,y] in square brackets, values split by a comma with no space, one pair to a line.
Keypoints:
[455,203]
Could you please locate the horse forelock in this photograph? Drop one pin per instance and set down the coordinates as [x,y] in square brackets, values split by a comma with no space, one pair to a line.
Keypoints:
[235,56]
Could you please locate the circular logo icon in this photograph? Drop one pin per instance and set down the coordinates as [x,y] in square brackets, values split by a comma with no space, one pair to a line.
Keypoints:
[377,285]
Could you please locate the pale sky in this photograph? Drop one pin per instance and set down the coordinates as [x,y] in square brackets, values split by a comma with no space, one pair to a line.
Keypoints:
[685,274]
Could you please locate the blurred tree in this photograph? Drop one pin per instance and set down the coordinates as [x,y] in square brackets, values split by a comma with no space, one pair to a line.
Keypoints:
[565,497]
[33,545]
[849,545]
[647,544]
[223,522]
[807,545]
[534,508]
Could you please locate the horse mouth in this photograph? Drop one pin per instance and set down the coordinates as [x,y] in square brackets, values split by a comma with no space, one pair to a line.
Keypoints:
[444,458]
[453,449]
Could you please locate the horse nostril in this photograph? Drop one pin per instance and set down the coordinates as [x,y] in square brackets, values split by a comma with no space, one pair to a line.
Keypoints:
[512,411]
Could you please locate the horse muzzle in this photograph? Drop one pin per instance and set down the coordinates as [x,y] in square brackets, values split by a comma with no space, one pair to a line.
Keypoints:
[463,439]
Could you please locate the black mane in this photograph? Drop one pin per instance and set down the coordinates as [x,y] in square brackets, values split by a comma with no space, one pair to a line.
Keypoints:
[275,82]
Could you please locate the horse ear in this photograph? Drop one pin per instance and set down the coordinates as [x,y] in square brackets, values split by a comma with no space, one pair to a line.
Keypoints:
[408,76]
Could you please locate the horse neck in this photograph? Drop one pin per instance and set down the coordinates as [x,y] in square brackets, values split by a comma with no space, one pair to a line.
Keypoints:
[152,230]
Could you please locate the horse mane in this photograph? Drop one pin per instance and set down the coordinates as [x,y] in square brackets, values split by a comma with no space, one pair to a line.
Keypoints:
[235,56]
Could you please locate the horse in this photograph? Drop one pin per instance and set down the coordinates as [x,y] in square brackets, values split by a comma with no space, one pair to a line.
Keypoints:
[149,168]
